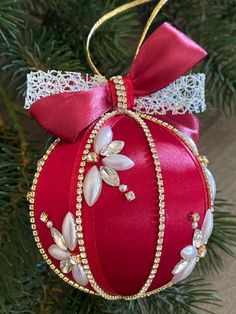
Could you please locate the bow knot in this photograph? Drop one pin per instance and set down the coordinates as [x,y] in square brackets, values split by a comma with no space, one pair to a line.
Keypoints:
[165,56]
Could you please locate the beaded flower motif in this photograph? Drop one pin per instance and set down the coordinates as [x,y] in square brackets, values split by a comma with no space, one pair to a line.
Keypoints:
[112,162]
[62,250]
[192,253]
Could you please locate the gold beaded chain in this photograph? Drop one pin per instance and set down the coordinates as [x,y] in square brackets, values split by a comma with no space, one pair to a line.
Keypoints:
[201,159]
[161,204]
[31,199]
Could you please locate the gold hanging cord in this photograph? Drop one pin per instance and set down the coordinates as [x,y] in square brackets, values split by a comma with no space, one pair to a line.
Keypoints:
[114,12]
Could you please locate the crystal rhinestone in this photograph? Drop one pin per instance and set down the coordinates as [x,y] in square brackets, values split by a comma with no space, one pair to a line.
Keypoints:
[65,266]
[197,238]
[92,157]
[202,251]
[113,148]
[195,217]
[123,188]
[203,160]
[130,196]
[44,217]
[110,176]
[73,259]
[58,238]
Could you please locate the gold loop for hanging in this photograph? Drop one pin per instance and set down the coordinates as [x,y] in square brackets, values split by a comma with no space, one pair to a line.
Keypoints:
[114,12]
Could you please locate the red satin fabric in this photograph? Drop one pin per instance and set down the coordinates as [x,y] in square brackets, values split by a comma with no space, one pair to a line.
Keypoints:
[186,123]
[120,236]
[165,56]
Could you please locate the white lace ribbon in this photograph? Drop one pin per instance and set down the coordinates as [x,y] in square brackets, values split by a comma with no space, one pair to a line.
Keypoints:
[185,95]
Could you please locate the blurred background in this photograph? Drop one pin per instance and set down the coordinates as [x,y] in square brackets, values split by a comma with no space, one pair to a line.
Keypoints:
[51,34]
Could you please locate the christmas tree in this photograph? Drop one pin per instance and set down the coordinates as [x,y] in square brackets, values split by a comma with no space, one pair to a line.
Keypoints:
[51,34]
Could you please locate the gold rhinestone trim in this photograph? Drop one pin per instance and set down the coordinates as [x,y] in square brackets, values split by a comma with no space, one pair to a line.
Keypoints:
[120,91]
[196,154]
[161,204]
[30,198]
[79,197]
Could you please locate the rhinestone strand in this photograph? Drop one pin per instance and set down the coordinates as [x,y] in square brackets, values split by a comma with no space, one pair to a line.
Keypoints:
[31,199]
[160,197]
[83,256]
[120,91]
[198,157]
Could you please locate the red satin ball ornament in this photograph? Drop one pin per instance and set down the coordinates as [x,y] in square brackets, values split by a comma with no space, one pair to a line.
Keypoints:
[120,205]
[124,242]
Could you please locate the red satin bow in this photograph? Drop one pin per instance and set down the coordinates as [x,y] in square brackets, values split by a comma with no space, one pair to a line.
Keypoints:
[164,57]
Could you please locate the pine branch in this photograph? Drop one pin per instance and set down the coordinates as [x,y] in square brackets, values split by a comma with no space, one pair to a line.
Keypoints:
[212,25]
[11,17]
[35,50]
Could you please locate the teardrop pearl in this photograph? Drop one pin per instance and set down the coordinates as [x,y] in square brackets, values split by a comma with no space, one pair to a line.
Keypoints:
[102,139]
[118,162]
[79,275]
[69,231]
[92,186]
[191,142]
[212,183]
[185,272]
[58,253]
[189,252]
[207,226]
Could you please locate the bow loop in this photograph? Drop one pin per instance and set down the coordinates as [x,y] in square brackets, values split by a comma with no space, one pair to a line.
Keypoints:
[165,56]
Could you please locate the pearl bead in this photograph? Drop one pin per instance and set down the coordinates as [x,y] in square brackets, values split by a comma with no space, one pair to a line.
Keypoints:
[49,224]
[123,188]
[189,252]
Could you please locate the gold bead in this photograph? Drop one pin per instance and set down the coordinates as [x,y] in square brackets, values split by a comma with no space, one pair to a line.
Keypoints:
[202,251]
[203,160]
[195,217]
[44,217]
[92,157]
[130,196]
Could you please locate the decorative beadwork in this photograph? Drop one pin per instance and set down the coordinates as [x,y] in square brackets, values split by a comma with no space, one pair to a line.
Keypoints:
[143,292]
[120,91]
[44,217]
[160,236]
[195,153]
[130,196]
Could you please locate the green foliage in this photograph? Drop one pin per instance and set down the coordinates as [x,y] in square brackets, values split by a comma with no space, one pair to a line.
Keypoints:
[51,34]
[11,17]
[212,24]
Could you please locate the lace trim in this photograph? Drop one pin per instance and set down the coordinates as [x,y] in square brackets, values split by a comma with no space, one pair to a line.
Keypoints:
[185,95]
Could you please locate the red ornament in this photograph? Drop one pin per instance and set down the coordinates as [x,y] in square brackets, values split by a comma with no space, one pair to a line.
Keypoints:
[128,182]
